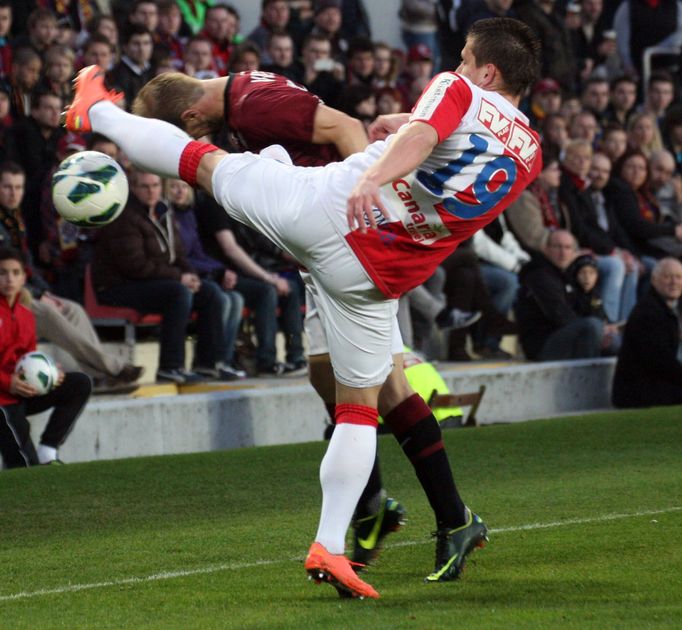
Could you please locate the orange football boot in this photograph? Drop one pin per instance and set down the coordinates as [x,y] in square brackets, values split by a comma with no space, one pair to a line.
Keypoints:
[90,89]
[323,566]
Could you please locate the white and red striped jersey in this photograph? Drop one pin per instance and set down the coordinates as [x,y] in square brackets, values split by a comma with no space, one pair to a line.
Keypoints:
[486,156]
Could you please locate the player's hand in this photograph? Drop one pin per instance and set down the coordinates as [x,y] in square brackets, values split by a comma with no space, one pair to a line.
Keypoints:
[362,201]
[48,298]
[229,280]
[385,125]
[17,387]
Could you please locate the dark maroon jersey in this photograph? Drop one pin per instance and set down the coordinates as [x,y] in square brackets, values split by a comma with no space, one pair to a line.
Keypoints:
[262,108]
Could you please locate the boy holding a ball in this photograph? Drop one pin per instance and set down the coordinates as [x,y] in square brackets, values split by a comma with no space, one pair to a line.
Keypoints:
[19,399]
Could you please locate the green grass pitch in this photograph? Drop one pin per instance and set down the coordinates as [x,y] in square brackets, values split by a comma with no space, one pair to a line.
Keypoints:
[585,516]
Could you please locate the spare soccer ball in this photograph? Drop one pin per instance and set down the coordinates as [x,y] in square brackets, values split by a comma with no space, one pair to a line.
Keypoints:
[38,370]
[89,189]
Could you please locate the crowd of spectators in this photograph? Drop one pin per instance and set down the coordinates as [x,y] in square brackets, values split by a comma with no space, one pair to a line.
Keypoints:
[563,267]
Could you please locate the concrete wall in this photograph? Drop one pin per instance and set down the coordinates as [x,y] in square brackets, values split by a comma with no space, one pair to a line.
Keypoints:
[290,412]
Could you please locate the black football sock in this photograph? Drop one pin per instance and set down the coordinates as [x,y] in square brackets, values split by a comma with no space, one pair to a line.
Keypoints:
[419,435]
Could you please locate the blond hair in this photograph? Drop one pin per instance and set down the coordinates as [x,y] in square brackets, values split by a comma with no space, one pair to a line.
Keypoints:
[167,96]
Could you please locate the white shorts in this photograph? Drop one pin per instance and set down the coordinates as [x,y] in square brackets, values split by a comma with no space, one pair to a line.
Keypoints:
[314,329]
[285,203]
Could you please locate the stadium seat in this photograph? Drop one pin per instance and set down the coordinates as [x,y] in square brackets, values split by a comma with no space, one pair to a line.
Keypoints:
[471,400]
[113,316]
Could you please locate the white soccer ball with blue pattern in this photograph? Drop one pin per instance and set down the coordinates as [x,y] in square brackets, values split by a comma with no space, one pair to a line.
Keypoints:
[38,370]
[89,189]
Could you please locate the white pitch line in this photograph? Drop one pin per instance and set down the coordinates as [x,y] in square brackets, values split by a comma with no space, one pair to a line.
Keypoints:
[169,575]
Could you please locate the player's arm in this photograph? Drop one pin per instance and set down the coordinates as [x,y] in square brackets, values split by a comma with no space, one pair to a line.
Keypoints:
[409,148]
[331,126]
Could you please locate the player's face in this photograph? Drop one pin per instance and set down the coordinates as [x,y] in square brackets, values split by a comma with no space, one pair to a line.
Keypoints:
[469,68]
[12,279]
[11,190]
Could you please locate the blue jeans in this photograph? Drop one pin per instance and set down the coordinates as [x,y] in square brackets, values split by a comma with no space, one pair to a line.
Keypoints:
[581,339]
[232,318]
[175,302]
[618,287]
[503,286]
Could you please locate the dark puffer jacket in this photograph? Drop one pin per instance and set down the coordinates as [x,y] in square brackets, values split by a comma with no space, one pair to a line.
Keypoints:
[134,248]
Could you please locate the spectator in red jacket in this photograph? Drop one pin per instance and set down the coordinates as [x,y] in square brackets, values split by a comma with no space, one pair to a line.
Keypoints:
[18,399]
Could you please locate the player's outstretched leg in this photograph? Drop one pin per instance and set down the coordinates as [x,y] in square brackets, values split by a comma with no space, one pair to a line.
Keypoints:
[153,145]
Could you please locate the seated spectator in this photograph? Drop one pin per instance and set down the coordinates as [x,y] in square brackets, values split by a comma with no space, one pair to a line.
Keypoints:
[18,399]
[168,42]
[666,185]
[274,18]
[35,143]
[282,53]
[501,258]
[144,13]
[180,197]
[595,98]
[5,38]
[660,93]
[385,66]
[622,100]
[245,57]
[106,26]
[135,68]
[614,142]
[537,212]
[42,31]
[467,298]
[583,274]
[389,101]
[584,126]
[618,280]
[643,133]
[198,60]
[555,133]
[638,211]
[26,66]
[418,69]
[545,100]
[327,21]
[139,262]
[59,64]
[98,50]
[361,62]
[550,329]
[221,28]
[260,288]
[60,321]
[321,74]
[649,367]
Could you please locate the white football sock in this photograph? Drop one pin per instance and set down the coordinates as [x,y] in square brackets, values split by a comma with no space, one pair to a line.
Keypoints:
[46,454]
[153,145]
[344,473]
